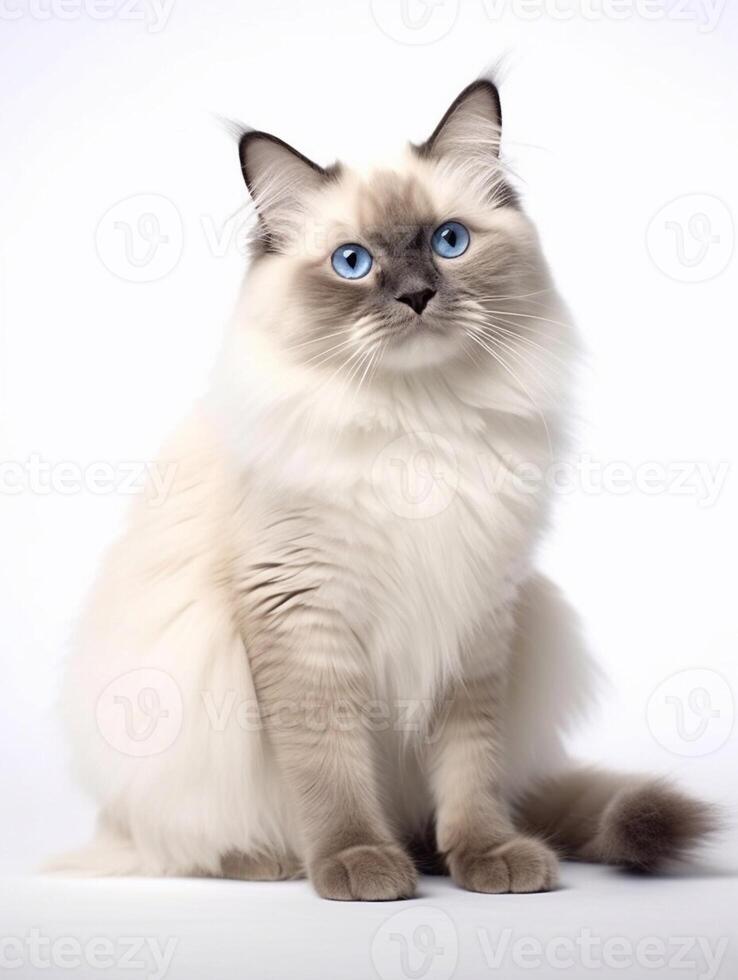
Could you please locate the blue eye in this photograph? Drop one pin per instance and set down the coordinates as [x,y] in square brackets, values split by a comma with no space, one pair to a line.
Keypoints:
[450,239]
[351,261]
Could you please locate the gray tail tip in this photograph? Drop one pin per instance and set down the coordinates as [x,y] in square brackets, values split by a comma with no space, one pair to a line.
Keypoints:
[652,825]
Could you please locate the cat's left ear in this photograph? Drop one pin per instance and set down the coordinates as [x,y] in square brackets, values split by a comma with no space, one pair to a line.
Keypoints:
[278,178]
[471,126]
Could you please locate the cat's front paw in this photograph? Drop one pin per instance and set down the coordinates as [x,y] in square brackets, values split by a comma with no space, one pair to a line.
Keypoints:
[365,873]
[521,864]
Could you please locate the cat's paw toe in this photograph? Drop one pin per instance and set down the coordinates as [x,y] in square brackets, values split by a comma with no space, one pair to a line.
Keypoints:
[521,864]
[365,873]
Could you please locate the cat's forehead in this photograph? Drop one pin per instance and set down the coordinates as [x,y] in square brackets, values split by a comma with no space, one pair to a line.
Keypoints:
[390,199]
[386,200]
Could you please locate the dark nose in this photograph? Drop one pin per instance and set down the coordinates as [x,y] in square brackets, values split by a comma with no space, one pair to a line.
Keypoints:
[417,301]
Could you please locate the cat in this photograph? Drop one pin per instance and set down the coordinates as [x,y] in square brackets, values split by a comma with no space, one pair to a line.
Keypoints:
[328,652]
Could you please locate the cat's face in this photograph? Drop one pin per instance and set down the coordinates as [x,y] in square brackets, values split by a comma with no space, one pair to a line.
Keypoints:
[398,269]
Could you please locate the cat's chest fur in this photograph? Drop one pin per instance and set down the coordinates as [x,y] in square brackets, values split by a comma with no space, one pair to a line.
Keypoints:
[442,538]
[418,538]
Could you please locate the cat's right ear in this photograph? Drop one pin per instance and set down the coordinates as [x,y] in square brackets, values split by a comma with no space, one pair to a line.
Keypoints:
[278,178]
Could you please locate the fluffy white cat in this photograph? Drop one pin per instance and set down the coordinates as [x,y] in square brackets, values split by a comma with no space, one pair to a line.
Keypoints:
[327,651]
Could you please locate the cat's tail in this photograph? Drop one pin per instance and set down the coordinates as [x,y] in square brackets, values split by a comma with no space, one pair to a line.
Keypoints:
[595,815]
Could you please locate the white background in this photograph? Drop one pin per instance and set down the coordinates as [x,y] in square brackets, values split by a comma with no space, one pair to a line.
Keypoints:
[611,115]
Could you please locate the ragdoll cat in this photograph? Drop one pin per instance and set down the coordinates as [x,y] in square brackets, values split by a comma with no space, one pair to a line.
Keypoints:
[333,617]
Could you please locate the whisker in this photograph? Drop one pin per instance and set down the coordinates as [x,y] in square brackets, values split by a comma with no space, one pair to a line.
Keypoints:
[525,362]
[478,311]
[317,340]
[512,374]
[324,356]
[535,292]
[532,316]
[492,328]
